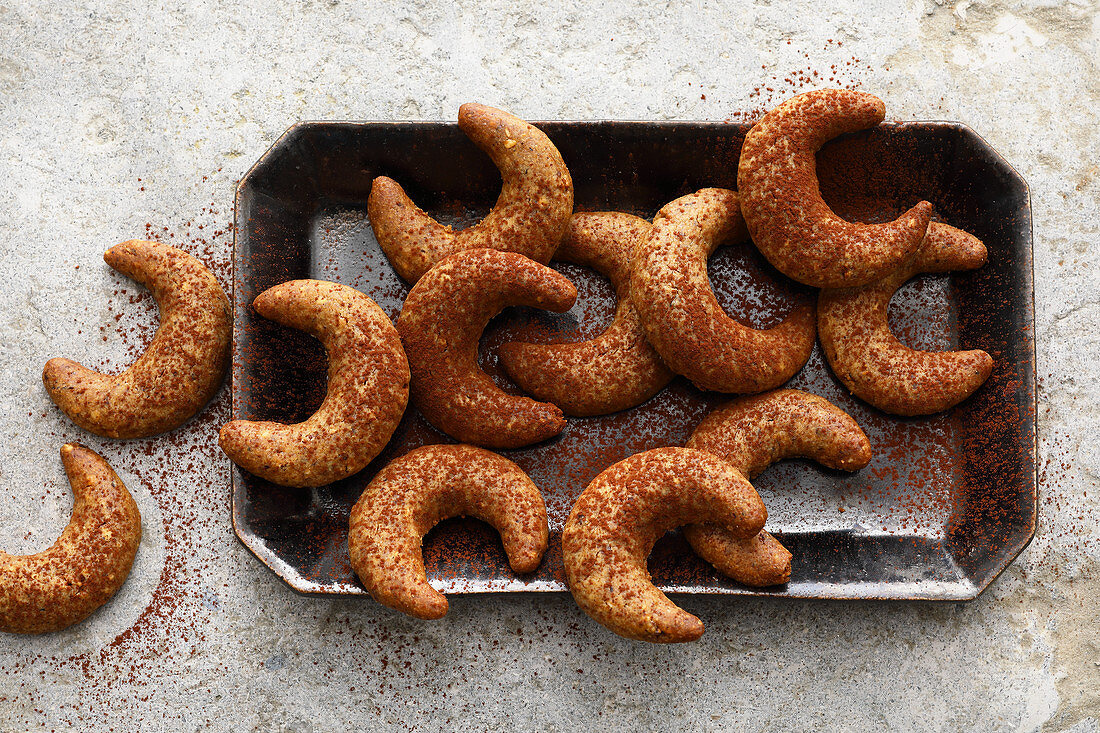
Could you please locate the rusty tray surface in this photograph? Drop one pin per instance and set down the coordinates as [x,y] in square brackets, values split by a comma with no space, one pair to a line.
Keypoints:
[947,502]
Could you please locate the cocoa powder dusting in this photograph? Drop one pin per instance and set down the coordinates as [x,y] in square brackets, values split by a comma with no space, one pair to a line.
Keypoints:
[170,628]
[775,85]
[926,481]
[913,490]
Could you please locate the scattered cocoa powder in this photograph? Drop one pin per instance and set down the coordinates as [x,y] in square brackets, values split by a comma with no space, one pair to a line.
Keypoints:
[195,529]
[912,491]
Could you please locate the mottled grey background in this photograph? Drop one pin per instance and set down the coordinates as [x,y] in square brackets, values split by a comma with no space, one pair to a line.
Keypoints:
[121,120]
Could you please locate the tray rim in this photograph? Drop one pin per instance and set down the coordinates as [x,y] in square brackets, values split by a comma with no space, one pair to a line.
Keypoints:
[277,566]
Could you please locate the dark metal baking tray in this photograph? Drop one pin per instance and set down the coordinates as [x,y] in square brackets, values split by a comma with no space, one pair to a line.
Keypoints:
[948,500]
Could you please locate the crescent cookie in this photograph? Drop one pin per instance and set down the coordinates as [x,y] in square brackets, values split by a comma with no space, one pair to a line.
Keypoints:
[624,511]
[529,217]
[789,221]
[683,319]
[751,433]
[440,325]
[368,388]
[179,372]
[417,491]
[618,369]
[88,563]
[870,360]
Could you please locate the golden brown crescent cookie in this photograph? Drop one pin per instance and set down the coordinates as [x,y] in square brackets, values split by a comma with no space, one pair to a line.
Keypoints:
[754,432]
[751,433]
[616,370]
[440,325]
[789,221]
[682,318]
[179,372]
[759,561]
[368,388]
[878,368]
[88,563]
[417,491]
[624,511]
[529,216]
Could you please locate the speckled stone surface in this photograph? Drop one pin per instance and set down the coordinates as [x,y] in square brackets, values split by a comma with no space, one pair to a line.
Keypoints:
[123,120]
